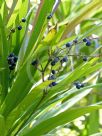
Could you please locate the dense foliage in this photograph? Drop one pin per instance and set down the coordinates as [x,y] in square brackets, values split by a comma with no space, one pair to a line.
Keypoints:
[50,67]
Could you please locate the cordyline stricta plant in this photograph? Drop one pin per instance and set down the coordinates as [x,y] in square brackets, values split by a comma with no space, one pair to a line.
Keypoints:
[50,66]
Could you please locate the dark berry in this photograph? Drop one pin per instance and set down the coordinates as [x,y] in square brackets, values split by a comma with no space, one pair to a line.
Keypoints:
[49,16]
[85,40]
[52,77]
[12,30]
[11,55]
[23,20]
[11,67]
[88,43]
[75,41]
[84,58]
[53,72]
[78,85]
[65,59]
[13,64]
[15,58]
[11,60]
[53,63]
[54,83]
[68,44]
[19,27]
[56,59]
[35,62]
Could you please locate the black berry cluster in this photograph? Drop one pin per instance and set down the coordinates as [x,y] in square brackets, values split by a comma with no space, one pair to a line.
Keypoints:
[87,41]
[54,61]
[52,77]
[64,59]
[12,60]
[60,56]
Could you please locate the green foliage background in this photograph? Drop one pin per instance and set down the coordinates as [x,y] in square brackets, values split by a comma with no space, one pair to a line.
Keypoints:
[25,109]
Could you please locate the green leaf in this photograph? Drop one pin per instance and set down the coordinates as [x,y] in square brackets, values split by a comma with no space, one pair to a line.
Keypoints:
[96,134]
[83,14]
[94,117]
[2,126]
[41,19]
[4,12]
[51,110]
[78,73]
[18,90]
[12,9]
[62,118]
[4,49]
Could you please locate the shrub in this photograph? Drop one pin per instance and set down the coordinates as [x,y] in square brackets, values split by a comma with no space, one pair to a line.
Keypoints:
[50,61]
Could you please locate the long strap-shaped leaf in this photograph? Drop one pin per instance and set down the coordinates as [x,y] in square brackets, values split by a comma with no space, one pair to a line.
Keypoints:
[85,13]
[39,21]
[4,48]
[12,9]
[63,118]
[76,74]
[2,126]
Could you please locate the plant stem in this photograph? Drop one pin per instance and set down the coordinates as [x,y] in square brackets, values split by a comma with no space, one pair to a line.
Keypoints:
[43,76]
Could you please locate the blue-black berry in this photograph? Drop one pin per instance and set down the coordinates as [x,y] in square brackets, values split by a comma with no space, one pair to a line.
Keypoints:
[53,72]
[65,59]
[56,59]
[23,20]
[11,67]
[52,77]
[49,16]
[85,40]
[84,58]
[78,85]
[11,55]
[53,63]
[15,58]
[19,27]
[68,44]
[54,83]
[12,59]
[88,43]
[75,41]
